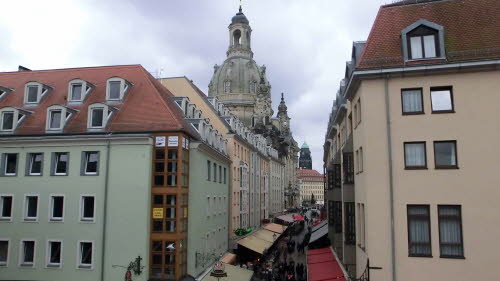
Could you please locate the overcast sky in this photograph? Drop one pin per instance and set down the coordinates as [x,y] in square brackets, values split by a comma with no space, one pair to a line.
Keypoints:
[303,43]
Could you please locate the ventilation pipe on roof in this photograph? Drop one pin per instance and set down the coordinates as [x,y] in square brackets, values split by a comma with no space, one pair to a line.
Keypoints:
[22,68]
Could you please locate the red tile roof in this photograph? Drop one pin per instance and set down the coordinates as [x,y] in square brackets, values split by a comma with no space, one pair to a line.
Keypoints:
[306,173]
[471,30]
[146,107]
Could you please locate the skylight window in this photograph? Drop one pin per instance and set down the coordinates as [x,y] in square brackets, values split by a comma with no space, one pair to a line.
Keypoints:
[11,118]
[78,89]
[34,92]
[57,117]
[423,40]
[116,89]
[99,115]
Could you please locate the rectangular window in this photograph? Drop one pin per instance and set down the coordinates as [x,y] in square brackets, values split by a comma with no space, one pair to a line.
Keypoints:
[10,164]
[215,172]
[445,154]
[91,162]
[415,155]
[6,207]
[97,117]
[442,100]
[337,175]
[429,46]
[225,176]
[450,231]
[114,90]
[4,252]
[348,162]
[419,231]
[412,101]
[54,253]
[416,47]
[7,120]
[350,223]
[27,257]
[31,208]
[220,174]
[85,250]
[76,92]
[209,171]
[87,208]
[60,163]
[35,164]
[358,113]
[56,208]
[55,119]
[32,94]
[360,160]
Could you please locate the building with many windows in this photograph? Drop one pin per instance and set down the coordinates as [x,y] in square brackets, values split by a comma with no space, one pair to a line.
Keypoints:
[256,174]
[311,185]
[96,170]
[410,150]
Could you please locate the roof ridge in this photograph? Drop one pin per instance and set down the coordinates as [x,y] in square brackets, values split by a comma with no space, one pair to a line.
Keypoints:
[400,3]
[75,68]
[164,101]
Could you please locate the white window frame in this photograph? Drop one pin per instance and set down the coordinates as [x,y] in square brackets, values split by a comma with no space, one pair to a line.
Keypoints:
[66,114]
[51,207]
[79,265]
[25,208]
[19,116]
[124,87]
[31,156]
[6,263]
[54,172]
[107,113]
[21,253]
[42,91]
[8,219]
[4,172]
[86,89]
[82,218]
[85,161]
[48,264]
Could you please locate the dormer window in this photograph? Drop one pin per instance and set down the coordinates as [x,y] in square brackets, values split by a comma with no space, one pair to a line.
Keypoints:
[3,92]
[78,89]
[10,118]
[34,92]
[57,117]
[116,89]
[423,40]
[99,115]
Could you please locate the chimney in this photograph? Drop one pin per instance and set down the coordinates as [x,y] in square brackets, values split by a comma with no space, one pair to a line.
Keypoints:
[22,68]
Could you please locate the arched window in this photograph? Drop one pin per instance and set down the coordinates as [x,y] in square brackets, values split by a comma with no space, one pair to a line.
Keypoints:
[237,37]
[253,86]
[227,86]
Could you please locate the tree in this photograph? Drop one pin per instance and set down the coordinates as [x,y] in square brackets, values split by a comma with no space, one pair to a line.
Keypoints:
[313,200]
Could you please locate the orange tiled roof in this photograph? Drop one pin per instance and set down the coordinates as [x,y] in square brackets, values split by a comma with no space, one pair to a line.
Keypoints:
[146,107]
[471,30]
[306,173]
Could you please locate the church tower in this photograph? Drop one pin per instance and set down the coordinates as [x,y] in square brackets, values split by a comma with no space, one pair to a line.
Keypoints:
[239,83]
[305,161]
[283,119]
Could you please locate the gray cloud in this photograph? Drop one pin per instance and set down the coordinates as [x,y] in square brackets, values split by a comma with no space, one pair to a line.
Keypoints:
[304,44]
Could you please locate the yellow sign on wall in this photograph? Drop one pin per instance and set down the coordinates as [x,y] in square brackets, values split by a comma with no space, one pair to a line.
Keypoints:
[157,213]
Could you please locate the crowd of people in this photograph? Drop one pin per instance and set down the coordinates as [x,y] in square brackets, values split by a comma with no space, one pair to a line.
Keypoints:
[281,264]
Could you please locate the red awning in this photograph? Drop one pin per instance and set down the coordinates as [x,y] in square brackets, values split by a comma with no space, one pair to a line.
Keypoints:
[322,266]
[298,218]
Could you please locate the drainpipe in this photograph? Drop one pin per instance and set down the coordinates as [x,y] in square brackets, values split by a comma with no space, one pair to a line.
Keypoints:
[106,183]
[391,180]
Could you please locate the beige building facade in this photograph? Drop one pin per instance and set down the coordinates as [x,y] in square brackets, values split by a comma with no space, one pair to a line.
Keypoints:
[256,172]
[310,182]
[410,149]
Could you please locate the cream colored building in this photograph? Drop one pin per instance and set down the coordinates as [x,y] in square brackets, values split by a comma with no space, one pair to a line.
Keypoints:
[310,182]
[411,149]
[256,171]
